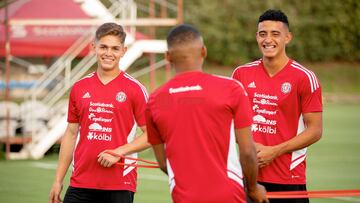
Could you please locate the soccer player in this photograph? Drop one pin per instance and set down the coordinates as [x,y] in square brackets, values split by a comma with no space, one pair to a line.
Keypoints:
[105,109]
[194,122]
[287,107]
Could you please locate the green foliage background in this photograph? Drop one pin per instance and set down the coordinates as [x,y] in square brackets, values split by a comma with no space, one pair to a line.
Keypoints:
[323,30]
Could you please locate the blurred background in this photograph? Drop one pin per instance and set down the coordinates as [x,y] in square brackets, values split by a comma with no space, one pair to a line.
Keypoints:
[44,49]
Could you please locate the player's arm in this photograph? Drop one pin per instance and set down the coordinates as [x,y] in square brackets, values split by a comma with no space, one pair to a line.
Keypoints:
[65,158]
[155,139]
[249,164]
[138,144]
[311,134]
[160,155]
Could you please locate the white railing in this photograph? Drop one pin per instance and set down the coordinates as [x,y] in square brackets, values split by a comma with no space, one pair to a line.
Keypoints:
[62,70]
[54,83]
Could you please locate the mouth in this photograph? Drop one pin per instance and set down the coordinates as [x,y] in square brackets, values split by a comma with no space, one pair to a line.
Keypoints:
[269,46]
[107,60]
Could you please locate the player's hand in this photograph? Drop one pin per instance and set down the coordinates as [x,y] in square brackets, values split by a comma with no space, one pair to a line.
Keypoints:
[107,160]
[258,147]
[55,192]
[265,154]
[258,195]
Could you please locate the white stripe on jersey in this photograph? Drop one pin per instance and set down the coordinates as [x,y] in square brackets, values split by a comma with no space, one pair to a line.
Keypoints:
[171,175]
[234,170]
[257,62]
[313,81]
[298,156]
[130,138]
[297,162]
[88,76]
[254,63]
[232,79]
[76,144]
[311,73]
[143,89]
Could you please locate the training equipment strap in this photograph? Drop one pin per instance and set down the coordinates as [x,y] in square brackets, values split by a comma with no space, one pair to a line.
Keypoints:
[149,164]
[312,194]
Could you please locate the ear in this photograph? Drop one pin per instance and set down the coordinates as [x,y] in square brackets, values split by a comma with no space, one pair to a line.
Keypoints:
[168,56]
[204,51]
[257,35]
[93,47]
[288,37]
[124,51]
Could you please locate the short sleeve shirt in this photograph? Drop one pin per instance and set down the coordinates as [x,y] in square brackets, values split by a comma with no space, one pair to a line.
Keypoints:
[108,115]
[278,104]
[194,115]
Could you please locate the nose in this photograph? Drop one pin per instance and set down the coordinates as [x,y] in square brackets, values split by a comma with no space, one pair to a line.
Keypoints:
[108,51]
[267,38]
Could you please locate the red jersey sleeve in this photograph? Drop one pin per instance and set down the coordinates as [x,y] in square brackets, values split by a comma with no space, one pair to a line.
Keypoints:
[235,74]
[240,106]
[310,94]
[73,112]
[153,134]
[139,105]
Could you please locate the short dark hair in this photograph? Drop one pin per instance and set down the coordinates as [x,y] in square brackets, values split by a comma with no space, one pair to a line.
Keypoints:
[182,34]
[110,29]
[274,15]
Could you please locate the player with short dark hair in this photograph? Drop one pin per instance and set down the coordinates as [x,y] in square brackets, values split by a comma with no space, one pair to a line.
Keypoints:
[194,122]
[287,107]
[105,109]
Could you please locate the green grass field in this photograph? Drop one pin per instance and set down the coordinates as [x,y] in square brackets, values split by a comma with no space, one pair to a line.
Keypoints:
[333,163]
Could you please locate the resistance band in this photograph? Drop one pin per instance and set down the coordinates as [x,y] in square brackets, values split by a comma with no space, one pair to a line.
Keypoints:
[149,164]
[312,194]
[270,195]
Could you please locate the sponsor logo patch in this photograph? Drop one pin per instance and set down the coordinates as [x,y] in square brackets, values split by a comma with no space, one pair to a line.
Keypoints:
[185,89]
[252,85]
[263,129]
[99,136]
[86,95]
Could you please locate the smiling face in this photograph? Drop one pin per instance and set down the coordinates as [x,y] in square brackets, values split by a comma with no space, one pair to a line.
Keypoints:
[109,49]
[272,37]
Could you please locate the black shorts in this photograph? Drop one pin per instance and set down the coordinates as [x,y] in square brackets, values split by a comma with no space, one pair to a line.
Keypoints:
[271,187]
[84,195]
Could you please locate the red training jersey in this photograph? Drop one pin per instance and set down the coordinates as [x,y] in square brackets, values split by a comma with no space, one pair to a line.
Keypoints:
[194,115]
[278,103]
[108,115]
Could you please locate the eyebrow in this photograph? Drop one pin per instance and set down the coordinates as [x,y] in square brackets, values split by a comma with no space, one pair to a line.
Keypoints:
[104,45]
[271,31]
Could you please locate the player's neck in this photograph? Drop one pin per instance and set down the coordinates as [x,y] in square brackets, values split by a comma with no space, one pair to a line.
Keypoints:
[187,67]
[275,65]
[106,76]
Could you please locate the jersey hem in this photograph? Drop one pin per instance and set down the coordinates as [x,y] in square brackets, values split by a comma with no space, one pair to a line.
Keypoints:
[283,183]
[105,188]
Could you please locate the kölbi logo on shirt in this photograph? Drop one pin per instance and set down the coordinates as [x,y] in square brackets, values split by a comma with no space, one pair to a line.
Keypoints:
[100,133]
[98,136]
[263,129]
